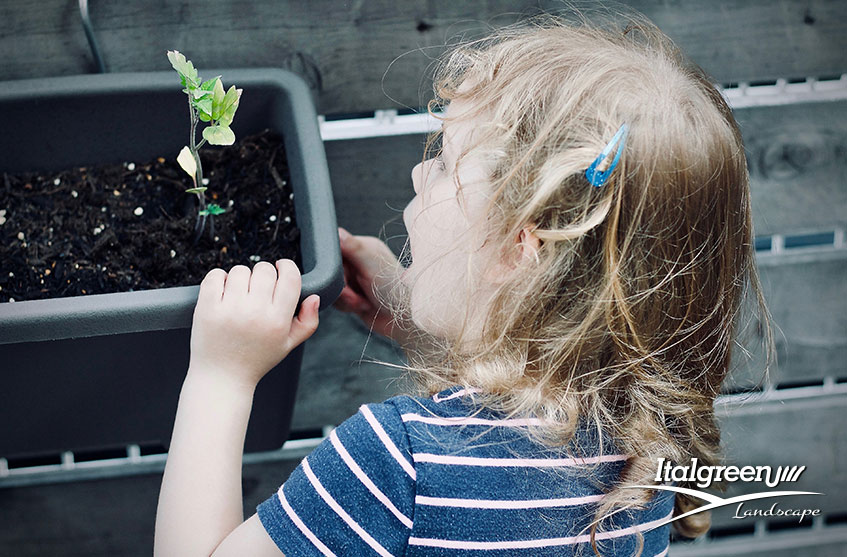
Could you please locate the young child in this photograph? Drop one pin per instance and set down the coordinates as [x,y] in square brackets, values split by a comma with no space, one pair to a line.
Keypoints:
[580,246]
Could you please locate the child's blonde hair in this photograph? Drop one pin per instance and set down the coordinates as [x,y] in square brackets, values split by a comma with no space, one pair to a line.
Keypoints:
[625,319]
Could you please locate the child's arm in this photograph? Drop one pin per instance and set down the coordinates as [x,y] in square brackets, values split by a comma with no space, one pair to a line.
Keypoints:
[243,325]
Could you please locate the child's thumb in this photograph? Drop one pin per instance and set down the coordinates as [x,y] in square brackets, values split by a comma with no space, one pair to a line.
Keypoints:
[306,323]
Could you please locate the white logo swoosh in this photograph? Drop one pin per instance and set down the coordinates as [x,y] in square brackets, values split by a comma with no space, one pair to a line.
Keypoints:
[714,500]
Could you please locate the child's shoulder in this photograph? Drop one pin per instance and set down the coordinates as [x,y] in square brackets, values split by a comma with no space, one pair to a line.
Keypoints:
[459,412]
[452,399]
[452,402]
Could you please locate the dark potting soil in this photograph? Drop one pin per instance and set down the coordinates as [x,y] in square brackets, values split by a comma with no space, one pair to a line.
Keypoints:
[130,226]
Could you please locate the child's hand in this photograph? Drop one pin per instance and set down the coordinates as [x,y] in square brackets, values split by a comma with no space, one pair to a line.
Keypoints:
[244,322]
[368,263]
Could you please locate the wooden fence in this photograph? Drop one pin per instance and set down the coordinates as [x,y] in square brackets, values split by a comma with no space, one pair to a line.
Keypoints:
[365,55]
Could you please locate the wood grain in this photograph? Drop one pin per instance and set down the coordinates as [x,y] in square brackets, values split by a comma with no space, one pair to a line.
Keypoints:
[367,55]
[798,168]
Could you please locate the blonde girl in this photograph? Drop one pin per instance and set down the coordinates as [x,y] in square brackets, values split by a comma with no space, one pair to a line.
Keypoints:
[580,245]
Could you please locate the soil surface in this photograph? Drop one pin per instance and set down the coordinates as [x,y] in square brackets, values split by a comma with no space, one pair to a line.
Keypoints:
[131,226]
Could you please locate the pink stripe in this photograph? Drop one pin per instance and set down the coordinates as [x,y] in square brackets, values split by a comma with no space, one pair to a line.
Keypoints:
[375,491]
[302,526]
[533,544]
[457,394]
[505,462]
[436,420]
[505,504]
[328,499]
[386,440]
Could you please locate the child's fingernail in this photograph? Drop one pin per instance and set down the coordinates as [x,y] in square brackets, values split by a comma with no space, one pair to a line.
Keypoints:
[343,234]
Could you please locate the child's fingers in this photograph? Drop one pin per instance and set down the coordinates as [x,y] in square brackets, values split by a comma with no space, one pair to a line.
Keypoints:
[368,255]
[287,289]
[237,283]
[212,287]
[306,323]
[350,300]
[263,280]
[365,258]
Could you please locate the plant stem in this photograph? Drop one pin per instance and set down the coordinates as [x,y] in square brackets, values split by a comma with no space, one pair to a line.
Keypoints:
[198,175]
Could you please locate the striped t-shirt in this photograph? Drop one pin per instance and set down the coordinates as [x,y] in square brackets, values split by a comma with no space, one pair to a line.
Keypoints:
[440,476]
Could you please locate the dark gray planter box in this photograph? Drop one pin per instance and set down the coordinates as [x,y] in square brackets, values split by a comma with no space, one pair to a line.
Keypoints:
[104,371]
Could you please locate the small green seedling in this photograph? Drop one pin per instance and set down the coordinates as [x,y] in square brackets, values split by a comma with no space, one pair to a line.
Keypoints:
[207,102]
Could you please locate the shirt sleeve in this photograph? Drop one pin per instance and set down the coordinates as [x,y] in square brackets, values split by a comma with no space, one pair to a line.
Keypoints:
[354,495]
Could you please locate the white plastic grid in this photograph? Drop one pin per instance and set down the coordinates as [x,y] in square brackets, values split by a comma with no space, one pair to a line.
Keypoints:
[744,95]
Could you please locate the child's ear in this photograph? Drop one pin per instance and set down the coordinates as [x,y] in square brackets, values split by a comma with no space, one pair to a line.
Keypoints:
[524,250]
[528,243]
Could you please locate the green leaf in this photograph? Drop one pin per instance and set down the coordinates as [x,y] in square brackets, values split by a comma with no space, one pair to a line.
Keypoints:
[205,117]
[209,85]
[197,93]
[185,69]
[232,96]
[204,105]
[217,101]
[219,135]
[212,209]
[201,189]
[231,101]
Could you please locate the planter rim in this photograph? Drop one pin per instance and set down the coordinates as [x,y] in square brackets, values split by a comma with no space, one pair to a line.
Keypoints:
[68,85]
[172,308]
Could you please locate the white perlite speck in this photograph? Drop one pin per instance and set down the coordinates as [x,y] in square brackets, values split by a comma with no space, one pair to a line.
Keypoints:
[287,219]
[74,193]
[21,236]
[173,254]
[57,181]
[255,258]
[138,211]
[205,181]
[272,218]
[130,166]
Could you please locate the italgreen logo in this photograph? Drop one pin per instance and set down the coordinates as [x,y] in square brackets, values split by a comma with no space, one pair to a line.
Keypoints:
[705,476]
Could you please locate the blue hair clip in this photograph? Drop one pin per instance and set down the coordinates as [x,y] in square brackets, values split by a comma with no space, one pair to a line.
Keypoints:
[597,177]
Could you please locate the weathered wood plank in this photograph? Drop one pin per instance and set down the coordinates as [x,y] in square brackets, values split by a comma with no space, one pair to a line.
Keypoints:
[807,297]
[802,432]
[108,518]
[372,184]
[797,165]
[115,517]
[338,375]
[345,49]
